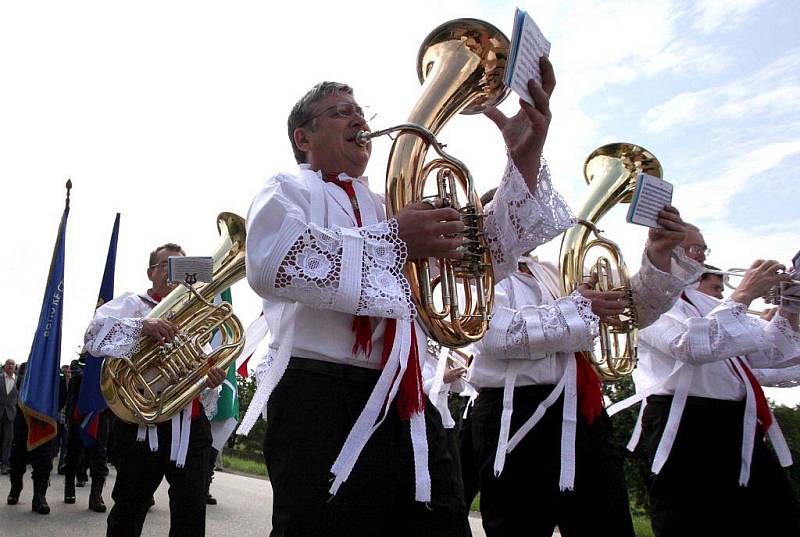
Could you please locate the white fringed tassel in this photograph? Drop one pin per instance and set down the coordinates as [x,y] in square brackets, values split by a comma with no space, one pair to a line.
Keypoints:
[275,371]
[419,442]
[569,427]
[378,405]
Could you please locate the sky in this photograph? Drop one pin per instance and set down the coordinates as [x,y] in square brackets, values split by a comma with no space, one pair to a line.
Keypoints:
[171,112]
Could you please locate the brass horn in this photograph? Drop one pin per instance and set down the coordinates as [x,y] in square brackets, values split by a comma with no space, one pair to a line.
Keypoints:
[461,65]
[611,171]
[156,382]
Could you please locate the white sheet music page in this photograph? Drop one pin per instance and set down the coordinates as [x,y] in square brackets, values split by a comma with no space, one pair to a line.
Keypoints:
[528,44]
[650,196]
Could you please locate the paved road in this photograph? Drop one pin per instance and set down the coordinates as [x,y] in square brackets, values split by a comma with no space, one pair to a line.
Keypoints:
[244,510]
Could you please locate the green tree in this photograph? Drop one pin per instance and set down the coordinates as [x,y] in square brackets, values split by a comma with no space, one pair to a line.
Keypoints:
[636,467]
[789,419]
[253,443]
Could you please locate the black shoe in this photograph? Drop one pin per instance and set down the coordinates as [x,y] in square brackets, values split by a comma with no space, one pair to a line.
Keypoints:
[13,494]
[96,496]
[69,489]
[80,481]
[210,500]
[39,503]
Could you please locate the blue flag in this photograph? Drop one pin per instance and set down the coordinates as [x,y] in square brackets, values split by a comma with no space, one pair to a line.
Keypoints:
[90,398]
[38,398]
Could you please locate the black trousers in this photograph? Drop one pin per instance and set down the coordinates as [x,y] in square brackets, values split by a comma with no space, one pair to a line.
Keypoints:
[525,499]
[466,451]
[40,458]
[7,435]
[697,490]
[95,453]
[140,471]
[310,414]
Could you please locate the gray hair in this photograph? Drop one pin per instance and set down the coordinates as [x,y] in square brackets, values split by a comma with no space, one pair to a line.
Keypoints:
[303,111]
[171,246]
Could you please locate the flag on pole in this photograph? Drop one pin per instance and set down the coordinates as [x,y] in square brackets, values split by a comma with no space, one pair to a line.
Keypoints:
[38,398]
[224,421]
[90,399]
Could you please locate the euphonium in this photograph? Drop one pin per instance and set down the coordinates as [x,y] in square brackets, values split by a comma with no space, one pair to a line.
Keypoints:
[461,65]
[156,382]
[611,172]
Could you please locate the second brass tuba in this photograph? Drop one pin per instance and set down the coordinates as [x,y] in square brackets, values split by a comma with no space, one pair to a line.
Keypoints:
[157,382]
[461,65]
[611,171]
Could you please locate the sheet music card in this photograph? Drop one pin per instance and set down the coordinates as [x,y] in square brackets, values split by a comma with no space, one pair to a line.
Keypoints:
[651,195]
[528,44]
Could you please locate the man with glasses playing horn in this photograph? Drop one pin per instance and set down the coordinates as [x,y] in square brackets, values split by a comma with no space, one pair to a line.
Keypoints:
[146,455]
[704,415]
[542,438]
[352,447]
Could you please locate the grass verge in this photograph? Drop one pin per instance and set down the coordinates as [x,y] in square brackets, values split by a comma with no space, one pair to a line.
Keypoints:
[245,466]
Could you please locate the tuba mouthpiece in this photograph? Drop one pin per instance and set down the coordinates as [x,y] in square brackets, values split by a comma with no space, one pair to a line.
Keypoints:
[362,137]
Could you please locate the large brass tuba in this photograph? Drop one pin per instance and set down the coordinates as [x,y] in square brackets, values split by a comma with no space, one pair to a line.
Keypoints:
[157,382]
[461,65]
[611,171]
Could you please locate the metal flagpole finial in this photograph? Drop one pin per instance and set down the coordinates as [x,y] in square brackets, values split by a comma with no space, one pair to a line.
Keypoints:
[69,187]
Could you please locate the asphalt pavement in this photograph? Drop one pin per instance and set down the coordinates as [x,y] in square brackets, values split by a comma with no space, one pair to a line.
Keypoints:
[244,510]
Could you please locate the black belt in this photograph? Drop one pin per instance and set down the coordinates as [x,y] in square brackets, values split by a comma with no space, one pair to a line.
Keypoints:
[698,402]
[350,373]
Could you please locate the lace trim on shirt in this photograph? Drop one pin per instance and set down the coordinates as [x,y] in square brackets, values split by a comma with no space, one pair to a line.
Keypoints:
[584,307]
[720,340]
[121,340]
[518,221]
[782,325]
[311,272]
[558,333]
[385,292]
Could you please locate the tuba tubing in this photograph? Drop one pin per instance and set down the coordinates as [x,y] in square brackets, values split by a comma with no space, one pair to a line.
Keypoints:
[611,171]
[461,66]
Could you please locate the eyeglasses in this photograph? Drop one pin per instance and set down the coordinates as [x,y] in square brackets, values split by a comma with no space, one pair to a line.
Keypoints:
[698,249]
[161,265]
[345,110]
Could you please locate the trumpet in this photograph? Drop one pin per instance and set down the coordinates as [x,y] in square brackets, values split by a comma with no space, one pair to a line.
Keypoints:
[786,294]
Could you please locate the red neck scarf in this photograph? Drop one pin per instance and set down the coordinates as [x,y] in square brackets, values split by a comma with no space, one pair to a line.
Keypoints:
[410,398]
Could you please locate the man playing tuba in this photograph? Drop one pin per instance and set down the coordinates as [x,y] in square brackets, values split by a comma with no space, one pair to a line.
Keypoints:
[177,450]
[540,432]
[343,375]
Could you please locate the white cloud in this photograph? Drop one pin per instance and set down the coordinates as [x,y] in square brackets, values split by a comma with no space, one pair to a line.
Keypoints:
[708,195]
[711,15]
[767,93]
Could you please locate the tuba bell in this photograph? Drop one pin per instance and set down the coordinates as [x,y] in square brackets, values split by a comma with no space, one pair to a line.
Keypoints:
[460,65]
[157,382]
[611,171]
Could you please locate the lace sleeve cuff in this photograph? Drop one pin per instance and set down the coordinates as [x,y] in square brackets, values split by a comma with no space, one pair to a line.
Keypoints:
[788,377]
[114,338]
[536,331]
[726,332]
[655,292]
[518,221]
[784,340]
[352,270]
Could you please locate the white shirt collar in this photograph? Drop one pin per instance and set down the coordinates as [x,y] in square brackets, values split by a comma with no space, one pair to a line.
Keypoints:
[305,167]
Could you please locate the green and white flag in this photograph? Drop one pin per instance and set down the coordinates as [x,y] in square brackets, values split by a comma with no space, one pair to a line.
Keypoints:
[224,421]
